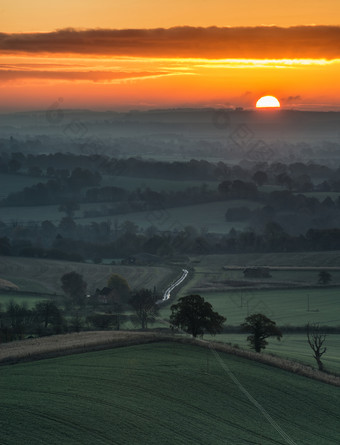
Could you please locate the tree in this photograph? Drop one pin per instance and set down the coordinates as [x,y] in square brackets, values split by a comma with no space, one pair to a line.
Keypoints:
[260,177]
[224,187]
[144,303]
[260,327]
[46,312]
[14,165]
[5,246]
[119,284]
[316,339]
[324,277]
[74,287]
[69,207]
[128,227]
[196,316]
[67,226]
[19,318]
[118,292]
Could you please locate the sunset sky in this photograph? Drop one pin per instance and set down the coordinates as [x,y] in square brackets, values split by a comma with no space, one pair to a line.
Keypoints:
[127,54]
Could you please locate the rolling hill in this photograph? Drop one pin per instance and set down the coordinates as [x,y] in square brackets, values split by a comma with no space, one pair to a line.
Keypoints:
[163,393]
[41,275]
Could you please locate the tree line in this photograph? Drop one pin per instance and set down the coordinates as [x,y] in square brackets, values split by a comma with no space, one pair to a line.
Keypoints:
[73,242]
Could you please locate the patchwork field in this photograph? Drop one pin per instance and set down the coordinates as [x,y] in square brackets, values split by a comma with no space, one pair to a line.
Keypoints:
[163,393]
[210,216]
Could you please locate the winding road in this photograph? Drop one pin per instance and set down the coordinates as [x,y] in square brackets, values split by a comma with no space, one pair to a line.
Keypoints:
[167,293]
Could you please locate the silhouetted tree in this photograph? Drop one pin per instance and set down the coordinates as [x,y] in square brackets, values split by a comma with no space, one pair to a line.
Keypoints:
[47,312]
[69,207]
[119,284]
[196,316]
[5,246]
[74,287]
[260,177]
[260,327]
[144,303]
[324,277]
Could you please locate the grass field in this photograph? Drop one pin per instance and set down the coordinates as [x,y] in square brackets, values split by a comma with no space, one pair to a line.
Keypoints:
[29,300]
[295,269]
[44,275]
[291,346]
[162,393]
[285,307]
[292,259]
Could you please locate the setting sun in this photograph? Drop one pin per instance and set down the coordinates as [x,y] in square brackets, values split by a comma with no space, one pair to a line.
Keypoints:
[268,102]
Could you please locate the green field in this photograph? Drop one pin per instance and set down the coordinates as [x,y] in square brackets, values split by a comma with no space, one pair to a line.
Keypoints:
[225,280]
[292,259]
[164,393]
[29,300]
[293,269]
[285,307]
[291,346]
[42,275]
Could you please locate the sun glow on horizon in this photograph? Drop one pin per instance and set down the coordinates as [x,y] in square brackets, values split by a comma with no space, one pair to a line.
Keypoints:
[268,102]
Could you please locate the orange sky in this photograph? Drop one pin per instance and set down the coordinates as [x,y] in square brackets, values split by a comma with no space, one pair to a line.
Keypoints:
[115,58]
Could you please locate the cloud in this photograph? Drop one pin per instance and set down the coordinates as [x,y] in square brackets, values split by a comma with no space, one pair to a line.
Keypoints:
[260,42]
[292,98]
[94,76]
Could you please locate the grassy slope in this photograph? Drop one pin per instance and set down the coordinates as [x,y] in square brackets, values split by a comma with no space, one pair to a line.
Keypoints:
[44,275]
[162,393]
[293,347]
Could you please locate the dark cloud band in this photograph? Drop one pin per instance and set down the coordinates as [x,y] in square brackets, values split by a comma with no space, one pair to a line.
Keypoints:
[184,42]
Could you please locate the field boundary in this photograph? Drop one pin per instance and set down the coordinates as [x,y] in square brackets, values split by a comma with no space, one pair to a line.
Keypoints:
[264,288]
[29,293]
[78,343]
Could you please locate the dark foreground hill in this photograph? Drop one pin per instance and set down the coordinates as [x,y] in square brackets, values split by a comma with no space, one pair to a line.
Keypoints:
[163,393]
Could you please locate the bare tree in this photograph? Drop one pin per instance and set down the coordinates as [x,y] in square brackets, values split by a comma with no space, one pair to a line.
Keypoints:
[316,339]
[144,303]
